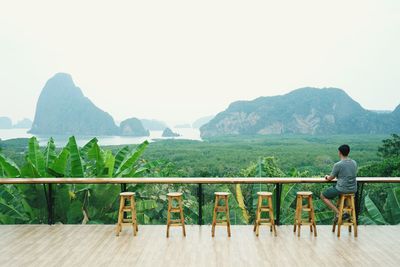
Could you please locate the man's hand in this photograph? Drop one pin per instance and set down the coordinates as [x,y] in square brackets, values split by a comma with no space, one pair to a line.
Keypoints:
[329,178]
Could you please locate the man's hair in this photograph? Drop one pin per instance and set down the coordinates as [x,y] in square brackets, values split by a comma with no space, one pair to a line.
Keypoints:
[344,149]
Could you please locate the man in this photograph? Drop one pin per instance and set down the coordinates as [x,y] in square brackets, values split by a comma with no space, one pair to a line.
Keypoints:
[345,171]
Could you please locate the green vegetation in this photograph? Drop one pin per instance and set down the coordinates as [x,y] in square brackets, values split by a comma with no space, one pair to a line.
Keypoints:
[252,156]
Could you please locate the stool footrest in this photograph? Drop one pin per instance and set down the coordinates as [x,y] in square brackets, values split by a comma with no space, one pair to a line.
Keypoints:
[265,223]
[347,223]
[175,224]
[264,209]
[175,210]
[126,223]
[220,209]
[306,223]
[127,210]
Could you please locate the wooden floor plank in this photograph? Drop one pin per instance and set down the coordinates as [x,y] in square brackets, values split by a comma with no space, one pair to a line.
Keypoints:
[97,245]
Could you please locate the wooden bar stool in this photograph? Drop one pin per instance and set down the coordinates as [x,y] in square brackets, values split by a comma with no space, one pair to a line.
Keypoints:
[224,208]
[175,209]
[346,204]
[298,221]
[268,209]
[127,204]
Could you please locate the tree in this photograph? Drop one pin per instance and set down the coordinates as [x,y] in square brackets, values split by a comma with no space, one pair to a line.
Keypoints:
[390,147]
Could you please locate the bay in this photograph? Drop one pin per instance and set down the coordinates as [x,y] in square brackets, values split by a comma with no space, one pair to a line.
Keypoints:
[61,140]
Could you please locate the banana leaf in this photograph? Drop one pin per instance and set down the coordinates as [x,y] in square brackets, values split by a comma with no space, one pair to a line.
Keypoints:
[131,158]
[393,205]
[50,153]
[120,156]
[75,158]
[373,211]
[59,167]
[365,220]
[10,169]
[88,146]
[96,154]
[36,157]
[29,170]
[240,201]
[109,161]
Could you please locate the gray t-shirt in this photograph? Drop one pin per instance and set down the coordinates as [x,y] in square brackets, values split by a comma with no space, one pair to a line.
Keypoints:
[345,171]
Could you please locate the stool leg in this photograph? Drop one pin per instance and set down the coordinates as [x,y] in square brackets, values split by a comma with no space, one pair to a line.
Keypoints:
[309,205]
[295,216]
[341,204]
[299,215]
[182,218]
[313,216]
[133,215]
[258,216]
[120,215]
[169,216]
[354,217]
[334,221]
[228,221]
[214,221]
[271,215]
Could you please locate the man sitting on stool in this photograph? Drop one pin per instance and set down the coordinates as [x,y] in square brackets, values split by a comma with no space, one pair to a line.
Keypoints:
[345,171]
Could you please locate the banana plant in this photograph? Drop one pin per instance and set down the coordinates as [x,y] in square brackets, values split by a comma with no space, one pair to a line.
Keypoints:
[391,209]
[74,203]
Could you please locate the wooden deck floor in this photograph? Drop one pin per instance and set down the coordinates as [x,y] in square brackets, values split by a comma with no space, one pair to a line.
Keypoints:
[96,245]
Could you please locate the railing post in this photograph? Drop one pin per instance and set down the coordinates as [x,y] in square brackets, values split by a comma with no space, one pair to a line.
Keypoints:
[123,188]
[200,202]
[359,195]
[278,203]
[50,205]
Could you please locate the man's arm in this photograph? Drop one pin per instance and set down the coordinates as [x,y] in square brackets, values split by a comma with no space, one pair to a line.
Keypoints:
[334,174]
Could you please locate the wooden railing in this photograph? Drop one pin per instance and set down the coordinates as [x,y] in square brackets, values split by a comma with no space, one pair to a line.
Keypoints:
[193,180]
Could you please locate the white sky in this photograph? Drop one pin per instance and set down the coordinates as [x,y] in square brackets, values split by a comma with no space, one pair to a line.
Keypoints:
[180,60]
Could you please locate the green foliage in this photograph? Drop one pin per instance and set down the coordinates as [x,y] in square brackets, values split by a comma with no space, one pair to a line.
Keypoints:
[74,203]
[390,147]
[8,167]
[389,166]
[272,156]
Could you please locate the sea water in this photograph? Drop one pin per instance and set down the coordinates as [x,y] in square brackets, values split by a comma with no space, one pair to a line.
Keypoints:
[61,140]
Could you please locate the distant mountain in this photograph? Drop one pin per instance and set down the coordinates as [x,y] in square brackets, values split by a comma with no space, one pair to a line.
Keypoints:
[153,125]
[63,109]
[302,111]
[396,112]
[133,127]
[184,125]
[169,133]
[23,124]
[201,121]
[5,123]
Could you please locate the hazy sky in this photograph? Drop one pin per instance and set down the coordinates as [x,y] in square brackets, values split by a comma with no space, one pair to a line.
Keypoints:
[180,60]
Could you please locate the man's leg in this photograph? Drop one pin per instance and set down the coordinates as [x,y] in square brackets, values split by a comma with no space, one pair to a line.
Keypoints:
[328,194]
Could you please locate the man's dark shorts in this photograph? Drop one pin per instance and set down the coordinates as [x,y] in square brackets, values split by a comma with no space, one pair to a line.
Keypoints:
[331,193]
